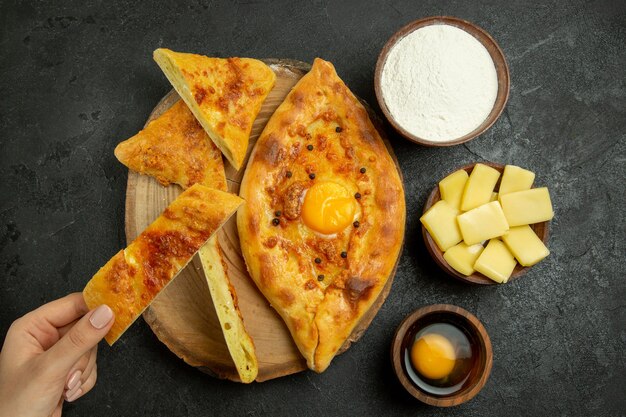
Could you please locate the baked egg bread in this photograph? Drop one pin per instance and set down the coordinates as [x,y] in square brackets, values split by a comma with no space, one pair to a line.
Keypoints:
[323,223]
[225,95]
[174,148]
[134,276]
[240,344]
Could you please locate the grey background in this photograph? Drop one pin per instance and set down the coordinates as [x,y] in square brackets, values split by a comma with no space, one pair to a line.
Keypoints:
[76,78]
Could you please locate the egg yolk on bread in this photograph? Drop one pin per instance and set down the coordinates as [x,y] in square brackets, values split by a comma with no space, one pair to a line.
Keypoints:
[328,208]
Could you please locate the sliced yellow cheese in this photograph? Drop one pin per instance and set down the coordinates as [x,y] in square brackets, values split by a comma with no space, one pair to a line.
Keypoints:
[440,221]
[527,207]
[494,197]
[462,257]
[525,245]
[451,187]
[516,179]
[479,187]
[496,262]
[482,223]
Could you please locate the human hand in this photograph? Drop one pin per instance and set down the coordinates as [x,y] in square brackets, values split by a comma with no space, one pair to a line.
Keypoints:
[49,356]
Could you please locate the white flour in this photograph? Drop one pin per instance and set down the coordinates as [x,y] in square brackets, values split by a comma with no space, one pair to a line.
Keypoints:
[439,83]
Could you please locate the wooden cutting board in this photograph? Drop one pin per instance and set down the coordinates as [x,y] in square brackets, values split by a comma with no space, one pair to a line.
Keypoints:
[183,316]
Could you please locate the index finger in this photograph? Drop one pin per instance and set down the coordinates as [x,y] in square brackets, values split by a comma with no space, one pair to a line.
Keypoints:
[63,311]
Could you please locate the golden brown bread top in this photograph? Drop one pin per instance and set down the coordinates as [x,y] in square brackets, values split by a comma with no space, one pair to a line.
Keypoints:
[225,95]
[174,148]
[134,276]
[320,133]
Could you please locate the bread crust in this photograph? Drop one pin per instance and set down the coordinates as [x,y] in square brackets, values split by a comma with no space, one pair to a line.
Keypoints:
[225,95]
[322,129]
[134,276]
[174,149]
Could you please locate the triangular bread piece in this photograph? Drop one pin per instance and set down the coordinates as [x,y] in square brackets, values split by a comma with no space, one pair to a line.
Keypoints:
[136,275]
[175,149]
[225,95]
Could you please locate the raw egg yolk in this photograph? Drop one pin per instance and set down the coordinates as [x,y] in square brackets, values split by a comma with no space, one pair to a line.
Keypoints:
[433,356]
[328,208]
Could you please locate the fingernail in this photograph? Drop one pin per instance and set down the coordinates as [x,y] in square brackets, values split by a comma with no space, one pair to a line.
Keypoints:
[101,316]
[74,395]
[74,380]
[70,392]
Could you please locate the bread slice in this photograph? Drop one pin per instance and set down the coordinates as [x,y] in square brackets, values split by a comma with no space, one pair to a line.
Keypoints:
[239,342]
[174,148]
[225,95]
[136,275]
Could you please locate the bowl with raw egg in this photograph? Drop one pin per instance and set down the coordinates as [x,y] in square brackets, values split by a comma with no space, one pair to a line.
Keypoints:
[442,355]
[486,223]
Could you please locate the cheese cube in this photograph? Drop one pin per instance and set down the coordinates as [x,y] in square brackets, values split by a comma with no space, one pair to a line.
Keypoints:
[516,179]
[440,221]
[494,197]
[525,245]
[479,187]
[527,207]
[496,262]
[451,187]
[482,223]
[462,257]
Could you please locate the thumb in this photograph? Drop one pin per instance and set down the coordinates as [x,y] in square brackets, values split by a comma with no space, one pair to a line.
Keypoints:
[83,336]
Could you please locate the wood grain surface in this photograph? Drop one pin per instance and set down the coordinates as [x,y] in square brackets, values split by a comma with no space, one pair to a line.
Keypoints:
[183,316]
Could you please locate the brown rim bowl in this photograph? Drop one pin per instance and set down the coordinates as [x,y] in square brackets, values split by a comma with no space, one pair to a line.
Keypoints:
[541,229]
[477,334]
[502,71]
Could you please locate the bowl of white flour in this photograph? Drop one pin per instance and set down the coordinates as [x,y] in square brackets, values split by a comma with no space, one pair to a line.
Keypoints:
[441,81]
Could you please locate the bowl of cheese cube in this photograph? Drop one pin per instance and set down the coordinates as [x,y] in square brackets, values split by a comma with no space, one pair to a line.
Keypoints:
[486,223]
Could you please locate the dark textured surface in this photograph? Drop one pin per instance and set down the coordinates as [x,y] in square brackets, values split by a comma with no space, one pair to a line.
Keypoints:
[76,77]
